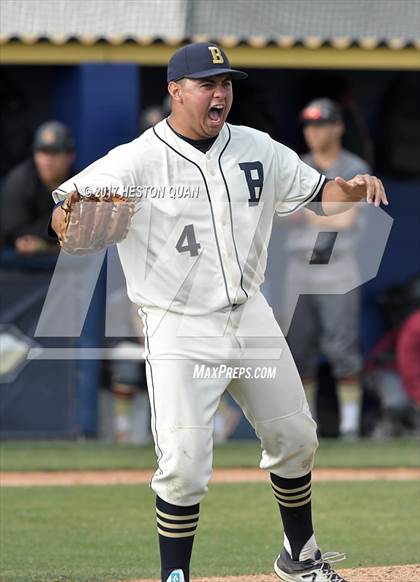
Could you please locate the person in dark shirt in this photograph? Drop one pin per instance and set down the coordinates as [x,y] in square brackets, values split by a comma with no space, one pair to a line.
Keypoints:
[26,193]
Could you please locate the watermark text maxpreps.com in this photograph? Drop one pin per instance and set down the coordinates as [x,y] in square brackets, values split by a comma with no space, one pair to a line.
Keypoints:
[202,371]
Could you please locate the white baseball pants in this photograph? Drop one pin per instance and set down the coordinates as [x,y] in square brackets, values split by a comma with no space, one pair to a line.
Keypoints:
[191,361]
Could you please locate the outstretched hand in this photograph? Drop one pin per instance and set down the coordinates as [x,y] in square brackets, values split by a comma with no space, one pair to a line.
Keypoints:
[364,186]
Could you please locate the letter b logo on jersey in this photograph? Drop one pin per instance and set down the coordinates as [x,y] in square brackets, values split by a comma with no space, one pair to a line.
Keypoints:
[217,55]
[254,175]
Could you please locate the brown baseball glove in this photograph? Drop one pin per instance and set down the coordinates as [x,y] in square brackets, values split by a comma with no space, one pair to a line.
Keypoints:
[95,222]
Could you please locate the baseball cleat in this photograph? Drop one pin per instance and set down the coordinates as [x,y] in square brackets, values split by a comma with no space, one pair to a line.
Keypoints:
[318,570]
[176,576]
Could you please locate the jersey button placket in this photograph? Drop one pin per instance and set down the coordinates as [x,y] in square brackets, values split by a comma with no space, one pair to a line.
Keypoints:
[211,165]
[231,266]
[222,224]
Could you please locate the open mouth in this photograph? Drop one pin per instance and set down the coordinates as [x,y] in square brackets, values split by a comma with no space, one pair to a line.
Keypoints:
[216,113]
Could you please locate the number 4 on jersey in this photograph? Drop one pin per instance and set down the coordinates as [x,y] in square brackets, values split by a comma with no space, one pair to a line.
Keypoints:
[187,241]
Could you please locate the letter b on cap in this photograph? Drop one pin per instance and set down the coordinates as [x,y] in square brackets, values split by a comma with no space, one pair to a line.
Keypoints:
[217,55]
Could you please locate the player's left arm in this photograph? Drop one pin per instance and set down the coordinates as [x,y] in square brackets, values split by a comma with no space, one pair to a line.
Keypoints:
[338,193]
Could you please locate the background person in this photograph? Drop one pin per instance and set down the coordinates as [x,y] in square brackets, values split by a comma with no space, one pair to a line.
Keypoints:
[392,370]
[26,193]
[150,117]
[327,324]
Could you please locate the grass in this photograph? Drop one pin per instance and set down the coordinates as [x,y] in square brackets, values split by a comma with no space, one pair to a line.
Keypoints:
[61,456]
[92,534]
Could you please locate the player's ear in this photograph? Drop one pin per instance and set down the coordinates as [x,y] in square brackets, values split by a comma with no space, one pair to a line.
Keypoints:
[175,91]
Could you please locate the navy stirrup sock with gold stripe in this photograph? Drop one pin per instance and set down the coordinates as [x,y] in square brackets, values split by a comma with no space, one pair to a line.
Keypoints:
[176,527]
[294,499]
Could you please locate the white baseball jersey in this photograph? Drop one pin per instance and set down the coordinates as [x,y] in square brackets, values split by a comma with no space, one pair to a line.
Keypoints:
[198,242]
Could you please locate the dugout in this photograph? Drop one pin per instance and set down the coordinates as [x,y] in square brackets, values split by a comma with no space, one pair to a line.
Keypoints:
[65,62]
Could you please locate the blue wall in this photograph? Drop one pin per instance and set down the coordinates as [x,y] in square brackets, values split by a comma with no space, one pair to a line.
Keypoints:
[401,259]
[101,104]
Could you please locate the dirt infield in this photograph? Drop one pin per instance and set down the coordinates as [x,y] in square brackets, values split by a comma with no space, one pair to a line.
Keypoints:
[382,574]
[135,477]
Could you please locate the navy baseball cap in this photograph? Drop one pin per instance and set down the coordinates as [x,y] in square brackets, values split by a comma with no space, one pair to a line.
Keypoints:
[320,112]
[53,136]
[200,60]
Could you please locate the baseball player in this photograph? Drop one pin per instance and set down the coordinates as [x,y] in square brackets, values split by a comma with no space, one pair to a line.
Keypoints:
[194,259]
[327,322]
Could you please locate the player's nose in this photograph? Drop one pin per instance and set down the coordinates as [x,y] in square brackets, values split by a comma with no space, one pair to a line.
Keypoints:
[220,91]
